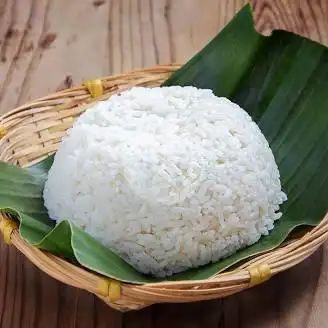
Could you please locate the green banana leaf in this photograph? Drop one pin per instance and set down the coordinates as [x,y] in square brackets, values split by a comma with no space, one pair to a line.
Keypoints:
[281,81]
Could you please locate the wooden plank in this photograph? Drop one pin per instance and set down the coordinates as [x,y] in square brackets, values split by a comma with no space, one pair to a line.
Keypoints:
[304,17]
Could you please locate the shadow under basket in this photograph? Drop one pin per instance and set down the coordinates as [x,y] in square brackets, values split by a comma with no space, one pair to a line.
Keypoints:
[33,131]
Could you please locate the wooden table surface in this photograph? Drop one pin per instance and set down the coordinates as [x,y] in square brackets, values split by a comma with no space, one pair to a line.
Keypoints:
[47,45]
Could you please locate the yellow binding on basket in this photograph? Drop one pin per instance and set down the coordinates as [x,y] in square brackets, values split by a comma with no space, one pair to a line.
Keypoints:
[110,289]
[259,274]
[95,87]
[3,131]
[7,226]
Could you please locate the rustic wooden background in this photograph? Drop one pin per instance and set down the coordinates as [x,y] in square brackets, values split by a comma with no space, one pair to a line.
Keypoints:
[46,45]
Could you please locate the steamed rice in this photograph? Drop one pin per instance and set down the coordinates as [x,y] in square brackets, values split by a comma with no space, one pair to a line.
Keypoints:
[168,178]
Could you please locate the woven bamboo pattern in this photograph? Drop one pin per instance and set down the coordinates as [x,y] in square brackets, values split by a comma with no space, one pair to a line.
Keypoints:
[33,131]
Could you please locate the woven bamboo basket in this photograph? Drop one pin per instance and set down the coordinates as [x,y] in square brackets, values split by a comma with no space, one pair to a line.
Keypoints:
[33,131]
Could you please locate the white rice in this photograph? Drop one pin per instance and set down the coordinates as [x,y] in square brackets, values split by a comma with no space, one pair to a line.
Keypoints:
[168,178]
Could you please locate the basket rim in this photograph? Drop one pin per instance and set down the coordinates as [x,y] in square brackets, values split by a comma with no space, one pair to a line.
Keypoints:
[133,296]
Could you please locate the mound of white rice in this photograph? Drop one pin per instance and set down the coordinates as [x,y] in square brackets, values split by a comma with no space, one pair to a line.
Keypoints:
[168,178]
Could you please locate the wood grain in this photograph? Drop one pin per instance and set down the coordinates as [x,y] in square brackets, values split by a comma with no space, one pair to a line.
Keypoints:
[46,45]
[305,17]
